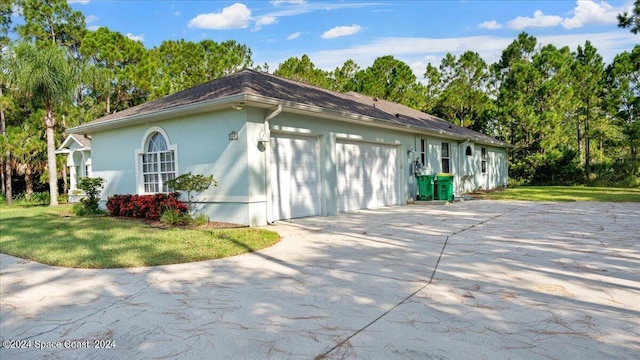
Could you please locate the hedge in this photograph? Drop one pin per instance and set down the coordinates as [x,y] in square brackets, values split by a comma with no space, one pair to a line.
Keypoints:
[144,206]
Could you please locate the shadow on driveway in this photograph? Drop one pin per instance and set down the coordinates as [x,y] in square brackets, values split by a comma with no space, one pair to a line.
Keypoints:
[515,280]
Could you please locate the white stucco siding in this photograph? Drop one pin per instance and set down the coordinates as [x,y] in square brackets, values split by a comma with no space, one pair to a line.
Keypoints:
[113,159]
[242,167]
[467,170]
[496,170]
[202,147]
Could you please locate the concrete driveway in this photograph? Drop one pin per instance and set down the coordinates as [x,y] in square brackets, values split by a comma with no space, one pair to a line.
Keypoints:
[477,279]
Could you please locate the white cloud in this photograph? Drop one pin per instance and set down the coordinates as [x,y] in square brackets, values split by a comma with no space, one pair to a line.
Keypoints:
[590,12]
[135,37]
[538,20]
[265,20]
[420,51]
[90,18]
[293,36]
[236,16]
[491,25]
[280,2]
[177,13]
[82,2]
[340,31]
[305,7]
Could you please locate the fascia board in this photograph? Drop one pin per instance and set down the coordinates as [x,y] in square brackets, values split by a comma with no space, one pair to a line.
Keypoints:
[67,142]
[263,102]
[306,109]
[170,113]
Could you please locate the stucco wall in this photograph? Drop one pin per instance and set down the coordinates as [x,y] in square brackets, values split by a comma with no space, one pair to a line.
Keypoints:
[467,170]
[496,167]
[203,147]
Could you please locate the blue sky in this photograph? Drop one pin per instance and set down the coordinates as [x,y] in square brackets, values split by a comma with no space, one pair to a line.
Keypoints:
[417,32]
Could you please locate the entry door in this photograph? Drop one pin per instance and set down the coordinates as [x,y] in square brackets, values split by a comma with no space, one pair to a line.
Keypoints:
[367,175]
[295,176]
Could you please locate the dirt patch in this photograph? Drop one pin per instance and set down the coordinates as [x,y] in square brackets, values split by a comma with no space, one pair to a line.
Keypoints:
[209,225]
[159,225]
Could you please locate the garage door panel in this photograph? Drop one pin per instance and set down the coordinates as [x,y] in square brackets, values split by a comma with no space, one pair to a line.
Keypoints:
[367,175]
[295,177]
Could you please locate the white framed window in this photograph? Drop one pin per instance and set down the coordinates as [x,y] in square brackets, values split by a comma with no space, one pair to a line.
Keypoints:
[423,152]
[445,157]
[156,162]
[483,152]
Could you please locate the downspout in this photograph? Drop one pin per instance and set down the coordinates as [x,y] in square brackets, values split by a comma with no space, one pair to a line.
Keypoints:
[413,182]
[267,161]
[461,174]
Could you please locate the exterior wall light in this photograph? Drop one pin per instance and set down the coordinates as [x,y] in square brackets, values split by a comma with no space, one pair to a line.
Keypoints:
[233,136]
[410,151]
[264,138]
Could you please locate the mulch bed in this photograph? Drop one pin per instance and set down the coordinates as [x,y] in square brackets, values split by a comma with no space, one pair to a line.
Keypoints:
[159,225]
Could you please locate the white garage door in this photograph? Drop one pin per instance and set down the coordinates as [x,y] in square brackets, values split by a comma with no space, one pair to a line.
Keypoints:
[295,177]
[367,175]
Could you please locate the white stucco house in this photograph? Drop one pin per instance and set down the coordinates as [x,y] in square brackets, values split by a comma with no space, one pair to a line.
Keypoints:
[281,149]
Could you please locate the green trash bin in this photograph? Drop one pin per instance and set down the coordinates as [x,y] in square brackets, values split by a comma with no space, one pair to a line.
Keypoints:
[425,187]
[444,187]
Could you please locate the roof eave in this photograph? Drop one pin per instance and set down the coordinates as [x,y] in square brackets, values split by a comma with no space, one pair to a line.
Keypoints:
[344,116]
[177,111]
[265,102]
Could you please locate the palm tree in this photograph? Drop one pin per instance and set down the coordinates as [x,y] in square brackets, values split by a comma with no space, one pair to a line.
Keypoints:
[44,75]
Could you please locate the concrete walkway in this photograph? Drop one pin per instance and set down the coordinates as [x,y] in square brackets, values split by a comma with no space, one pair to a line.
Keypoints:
[511,280]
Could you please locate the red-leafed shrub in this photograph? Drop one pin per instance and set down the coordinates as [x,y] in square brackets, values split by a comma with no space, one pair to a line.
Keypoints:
[144,206]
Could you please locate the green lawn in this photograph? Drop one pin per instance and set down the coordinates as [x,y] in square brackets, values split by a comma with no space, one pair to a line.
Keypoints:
[562,193]
[53,236]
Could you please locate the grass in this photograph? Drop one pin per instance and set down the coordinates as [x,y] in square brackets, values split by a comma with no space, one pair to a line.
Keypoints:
[562,193]
[54,236]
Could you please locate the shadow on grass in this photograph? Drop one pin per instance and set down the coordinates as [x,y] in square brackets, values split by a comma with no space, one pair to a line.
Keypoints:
[105,242]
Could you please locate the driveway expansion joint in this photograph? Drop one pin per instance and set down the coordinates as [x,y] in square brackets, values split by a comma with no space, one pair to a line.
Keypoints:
[520,280]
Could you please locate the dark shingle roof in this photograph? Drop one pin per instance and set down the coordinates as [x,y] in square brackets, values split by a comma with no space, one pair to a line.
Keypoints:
[251,82]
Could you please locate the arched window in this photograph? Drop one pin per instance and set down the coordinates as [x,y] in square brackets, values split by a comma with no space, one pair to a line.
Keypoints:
[158,164]
[468,152]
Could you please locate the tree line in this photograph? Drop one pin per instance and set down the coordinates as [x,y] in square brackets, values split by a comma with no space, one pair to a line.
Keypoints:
[571,118]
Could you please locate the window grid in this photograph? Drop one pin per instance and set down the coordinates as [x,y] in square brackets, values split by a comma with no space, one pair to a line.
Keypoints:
[423,151]
[158,165]
[445,158]
[484,160]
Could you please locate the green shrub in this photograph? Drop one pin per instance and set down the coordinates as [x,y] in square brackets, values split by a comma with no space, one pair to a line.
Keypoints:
[78,209]
[191,183]
[173,217]
[40,198]
[91,188]
[24,199]
[200,220]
